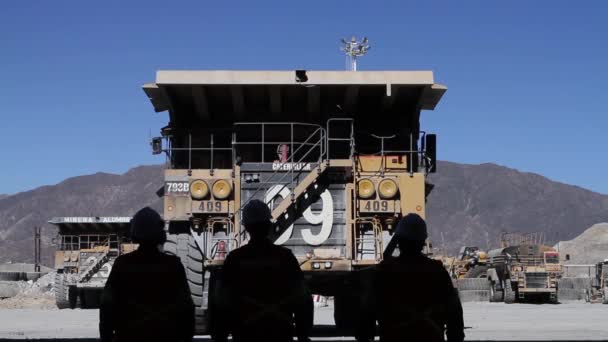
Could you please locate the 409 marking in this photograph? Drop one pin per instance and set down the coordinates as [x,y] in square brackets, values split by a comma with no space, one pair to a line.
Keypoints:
[376,206]
[210,206]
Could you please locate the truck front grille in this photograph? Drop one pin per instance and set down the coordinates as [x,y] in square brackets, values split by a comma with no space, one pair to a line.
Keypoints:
[536,280]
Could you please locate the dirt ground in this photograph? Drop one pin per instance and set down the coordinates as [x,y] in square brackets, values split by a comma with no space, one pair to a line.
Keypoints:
[484,321]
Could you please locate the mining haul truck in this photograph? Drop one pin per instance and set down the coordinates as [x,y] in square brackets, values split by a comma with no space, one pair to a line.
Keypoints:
[338,156]
[87,248]
[599,283]
[524,272]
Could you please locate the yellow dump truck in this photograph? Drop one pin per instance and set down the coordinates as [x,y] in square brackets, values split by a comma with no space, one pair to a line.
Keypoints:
[86,250]
[524,272]
[338,156]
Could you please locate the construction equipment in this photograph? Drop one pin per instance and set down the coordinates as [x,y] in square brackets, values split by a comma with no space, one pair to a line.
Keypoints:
[338,156]
[471,262]
[87,248]
[524,272]
[599,283]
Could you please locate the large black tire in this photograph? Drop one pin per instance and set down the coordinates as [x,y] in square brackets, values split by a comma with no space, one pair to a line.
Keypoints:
[496,295]
[477,272]
[184,247]
[61,291]
[510,294]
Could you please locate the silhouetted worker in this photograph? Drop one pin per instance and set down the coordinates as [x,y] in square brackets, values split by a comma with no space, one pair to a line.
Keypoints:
[146,297]
[414,296]
[265,291]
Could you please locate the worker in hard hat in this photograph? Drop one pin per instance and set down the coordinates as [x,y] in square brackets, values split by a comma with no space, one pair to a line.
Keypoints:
[413,296]
[146,297]
[265,291]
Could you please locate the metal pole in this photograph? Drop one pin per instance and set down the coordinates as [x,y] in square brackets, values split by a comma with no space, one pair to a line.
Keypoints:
[291,156]
[36,249]
[411,161]
[211,168]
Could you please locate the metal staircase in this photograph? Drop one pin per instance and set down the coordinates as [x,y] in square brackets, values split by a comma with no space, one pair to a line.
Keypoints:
[300,189]
[90,271]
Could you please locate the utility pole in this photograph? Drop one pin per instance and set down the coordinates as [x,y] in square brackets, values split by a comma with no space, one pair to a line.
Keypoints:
[37,249]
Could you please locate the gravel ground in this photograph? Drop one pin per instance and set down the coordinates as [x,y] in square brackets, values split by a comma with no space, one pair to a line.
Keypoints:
[484,321]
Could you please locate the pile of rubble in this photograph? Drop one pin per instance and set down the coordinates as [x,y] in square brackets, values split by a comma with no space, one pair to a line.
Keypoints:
[588,248]
[30,294]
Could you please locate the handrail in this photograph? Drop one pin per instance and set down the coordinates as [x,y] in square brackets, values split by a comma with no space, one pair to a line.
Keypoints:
[289,160]
[350,138]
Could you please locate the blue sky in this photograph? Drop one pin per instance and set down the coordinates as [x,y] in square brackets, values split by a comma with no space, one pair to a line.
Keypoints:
[526,79]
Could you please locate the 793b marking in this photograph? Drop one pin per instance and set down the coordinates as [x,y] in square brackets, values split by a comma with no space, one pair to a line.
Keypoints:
[177,188]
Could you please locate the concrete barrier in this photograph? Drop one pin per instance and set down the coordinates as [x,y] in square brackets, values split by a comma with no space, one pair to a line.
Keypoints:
[573,289]
[579,283]
[12,276]
[475,284]
[8,289]
[474,295]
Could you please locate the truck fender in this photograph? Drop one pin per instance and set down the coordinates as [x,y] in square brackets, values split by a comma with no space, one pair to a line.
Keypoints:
[493,276]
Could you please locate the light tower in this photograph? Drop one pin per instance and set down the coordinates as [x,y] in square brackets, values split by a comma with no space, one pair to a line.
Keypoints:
[354,49]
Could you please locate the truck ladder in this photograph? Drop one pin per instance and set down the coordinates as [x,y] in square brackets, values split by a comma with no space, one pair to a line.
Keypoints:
[92,269]
[368,241]
[303,188]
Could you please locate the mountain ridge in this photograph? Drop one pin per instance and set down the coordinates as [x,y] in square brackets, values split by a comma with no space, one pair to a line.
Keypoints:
[471,204]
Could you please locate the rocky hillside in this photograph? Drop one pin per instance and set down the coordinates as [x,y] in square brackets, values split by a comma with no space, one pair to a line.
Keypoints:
[100,194]
[473,204]
[470,205]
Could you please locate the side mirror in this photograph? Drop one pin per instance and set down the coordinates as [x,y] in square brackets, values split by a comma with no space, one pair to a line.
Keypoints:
[157,145]
[431,153]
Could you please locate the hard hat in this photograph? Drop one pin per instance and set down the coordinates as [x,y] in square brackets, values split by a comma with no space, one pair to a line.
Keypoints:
[256,212]
[147,226]
[411,227]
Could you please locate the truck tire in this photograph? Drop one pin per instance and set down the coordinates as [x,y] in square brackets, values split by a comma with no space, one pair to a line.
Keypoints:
[61,291]
[477,272]
[510,294]
[184,247]
[553,299]
[496,295]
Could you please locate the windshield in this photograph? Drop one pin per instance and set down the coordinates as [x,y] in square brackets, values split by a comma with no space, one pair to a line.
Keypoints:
[552,258]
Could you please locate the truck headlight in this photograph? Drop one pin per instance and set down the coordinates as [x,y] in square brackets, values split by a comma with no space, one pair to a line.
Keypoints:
[365,188]
[221,189]
[387,189]
[199,189]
